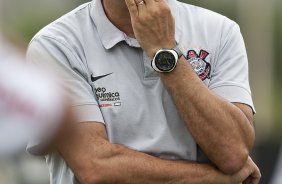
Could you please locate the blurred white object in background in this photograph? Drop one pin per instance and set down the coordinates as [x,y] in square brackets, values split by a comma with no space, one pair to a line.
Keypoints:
[21,85]
[31,107]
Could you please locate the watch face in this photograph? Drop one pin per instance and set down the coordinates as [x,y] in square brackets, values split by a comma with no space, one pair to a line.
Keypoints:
[165,61]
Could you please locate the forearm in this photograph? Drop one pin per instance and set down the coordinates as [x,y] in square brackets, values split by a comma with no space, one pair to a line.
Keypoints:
[220,128]
[128,166]
[97,161]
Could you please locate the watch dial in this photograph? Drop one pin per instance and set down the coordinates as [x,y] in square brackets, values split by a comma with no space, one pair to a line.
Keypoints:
[165,61]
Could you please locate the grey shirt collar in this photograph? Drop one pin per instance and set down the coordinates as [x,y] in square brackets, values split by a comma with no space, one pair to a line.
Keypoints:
[110,35]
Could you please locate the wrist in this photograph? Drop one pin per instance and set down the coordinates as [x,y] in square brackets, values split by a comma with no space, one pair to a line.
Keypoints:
[151,52]
[165,59]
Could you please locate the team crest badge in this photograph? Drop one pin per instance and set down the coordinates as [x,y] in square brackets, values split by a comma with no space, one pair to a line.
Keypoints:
[199,64]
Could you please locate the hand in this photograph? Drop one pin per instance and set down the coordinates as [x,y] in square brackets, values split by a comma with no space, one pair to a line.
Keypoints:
[249,174]
[153,24]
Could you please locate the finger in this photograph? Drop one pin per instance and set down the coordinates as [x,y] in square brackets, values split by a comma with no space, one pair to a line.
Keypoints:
[255,181]
[150,2]
[248,180]
[160,1]
[256,178]
[132,7]
[141,5]
[153,3]
[157,5]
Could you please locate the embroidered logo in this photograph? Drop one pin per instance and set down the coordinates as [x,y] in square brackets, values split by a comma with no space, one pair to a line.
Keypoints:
[94,79]
[199,64]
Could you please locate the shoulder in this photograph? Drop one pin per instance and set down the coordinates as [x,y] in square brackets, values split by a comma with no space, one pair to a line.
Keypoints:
[203,29]
[204,19]
[68,28]
[65,37]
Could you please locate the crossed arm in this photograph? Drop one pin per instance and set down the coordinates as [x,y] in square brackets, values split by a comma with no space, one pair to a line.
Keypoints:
[94,160]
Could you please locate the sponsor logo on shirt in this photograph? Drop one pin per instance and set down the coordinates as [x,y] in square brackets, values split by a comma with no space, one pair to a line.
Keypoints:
[199,64]
[107,98]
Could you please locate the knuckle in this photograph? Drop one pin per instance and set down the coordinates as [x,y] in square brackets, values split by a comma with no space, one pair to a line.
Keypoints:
[165,9]
[155,12]
[131,4]
[142,19]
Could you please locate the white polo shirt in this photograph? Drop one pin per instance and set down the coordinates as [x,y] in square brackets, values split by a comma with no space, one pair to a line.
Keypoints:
[111,80]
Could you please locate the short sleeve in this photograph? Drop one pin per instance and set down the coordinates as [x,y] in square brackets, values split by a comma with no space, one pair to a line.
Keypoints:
[55,55]
[230,76]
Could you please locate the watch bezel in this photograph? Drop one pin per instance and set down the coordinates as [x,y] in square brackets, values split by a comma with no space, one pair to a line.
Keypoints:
[162,51]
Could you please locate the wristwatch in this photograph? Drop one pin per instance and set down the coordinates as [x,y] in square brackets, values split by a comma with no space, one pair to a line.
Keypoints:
[165,60]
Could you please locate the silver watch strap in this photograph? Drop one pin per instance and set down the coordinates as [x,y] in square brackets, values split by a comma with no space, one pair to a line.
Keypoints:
[179,52]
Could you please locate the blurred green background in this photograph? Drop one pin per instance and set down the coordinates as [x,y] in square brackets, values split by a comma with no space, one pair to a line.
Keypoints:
[261,26]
